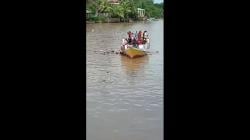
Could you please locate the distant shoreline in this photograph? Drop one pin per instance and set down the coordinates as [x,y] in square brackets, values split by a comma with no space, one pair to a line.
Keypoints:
[116,20]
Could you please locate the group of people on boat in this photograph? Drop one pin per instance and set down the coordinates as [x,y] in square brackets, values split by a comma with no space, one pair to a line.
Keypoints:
[137,38]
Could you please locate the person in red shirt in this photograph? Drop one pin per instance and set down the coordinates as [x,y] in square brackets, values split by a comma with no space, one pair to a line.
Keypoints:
[139,41]
[139,35]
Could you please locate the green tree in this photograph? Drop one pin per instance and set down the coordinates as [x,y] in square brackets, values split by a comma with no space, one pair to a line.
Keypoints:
[117,11]
[99,6]
[126,9]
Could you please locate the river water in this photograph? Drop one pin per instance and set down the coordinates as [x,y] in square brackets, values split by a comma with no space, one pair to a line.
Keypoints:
[124,96]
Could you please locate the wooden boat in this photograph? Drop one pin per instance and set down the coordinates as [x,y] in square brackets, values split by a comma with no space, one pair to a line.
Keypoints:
[133,52]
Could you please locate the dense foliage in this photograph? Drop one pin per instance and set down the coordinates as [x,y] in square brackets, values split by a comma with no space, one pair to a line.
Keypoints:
[126,8]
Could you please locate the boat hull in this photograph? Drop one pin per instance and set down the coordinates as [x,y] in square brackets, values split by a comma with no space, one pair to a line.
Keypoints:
[134,52]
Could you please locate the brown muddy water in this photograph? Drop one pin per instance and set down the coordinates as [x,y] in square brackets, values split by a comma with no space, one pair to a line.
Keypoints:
[124,96]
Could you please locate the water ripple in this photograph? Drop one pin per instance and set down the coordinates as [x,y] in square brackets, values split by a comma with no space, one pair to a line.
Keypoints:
[124,96]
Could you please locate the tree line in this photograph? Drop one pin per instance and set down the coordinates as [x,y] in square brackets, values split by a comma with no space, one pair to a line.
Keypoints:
[126,9]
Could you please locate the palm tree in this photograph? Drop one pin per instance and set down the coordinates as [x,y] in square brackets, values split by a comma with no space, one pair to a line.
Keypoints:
[127,9]
[99,6]
[123,10]
[133,8]
[117,11]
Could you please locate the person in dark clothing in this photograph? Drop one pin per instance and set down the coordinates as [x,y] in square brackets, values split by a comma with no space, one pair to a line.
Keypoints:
[129,37]
[136,35]
[134,42]
[145,36]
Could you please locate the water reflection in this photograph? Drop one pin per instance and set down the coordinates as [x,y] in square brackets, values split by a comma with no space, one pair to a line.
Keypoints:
[134,66]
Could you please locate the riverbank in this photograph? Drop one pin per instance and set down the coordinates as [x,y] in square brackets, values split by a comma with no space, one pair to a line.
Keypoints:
[118,20]
[109,20]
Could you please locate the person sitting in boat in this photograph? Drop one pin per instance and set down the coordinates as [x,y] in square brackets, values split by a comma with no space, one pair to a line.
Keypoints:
[139,41]
[129,37]
[124,41]
[133,40]
[129,33]
[140,44]
[145,36]
[136,35]
[139,35]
